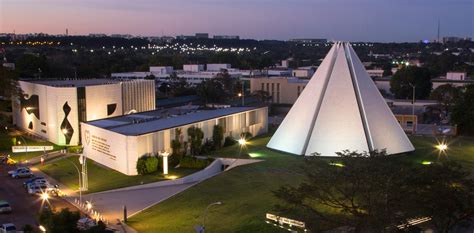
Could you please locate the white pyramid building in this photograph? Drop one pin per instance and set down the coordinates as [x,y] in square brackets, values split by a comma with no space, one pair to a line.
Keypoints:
[340,108]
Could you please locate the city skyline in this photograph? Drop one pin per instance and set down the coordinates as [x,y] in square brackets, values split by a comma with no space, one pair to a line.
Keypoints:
[364,20]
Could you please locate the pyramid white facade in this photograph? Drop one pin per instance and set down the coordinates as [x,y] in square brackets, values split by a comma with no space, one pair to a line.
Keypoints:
[340,109]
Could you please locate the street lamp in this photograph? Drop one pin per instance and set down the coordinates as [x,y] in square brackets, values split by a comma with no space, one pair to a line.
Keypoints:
[201,228]
[44,196]
[80,181]
[88,205]
[442,147]
[413,108]
[42,228]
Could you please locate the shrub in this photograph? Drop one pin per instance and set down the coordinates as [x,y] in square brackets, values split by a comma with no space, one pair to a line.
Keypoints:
[207,147]
[246,135]
[141,166]
[191,162]
[229,141]
[151,164]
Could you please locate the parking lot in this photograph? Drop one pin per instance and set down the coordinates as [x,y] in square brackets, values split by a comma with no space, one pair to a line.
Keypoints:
[25,207]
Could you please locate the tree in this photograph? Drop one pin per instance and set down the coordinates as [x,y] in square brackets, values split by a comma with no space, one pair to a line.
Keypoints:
[9,83]
[60,222]
[211,91]
[262,96]
[373,192]
[217,135]
[402,82]
[463,111]
[446,95]
[443,192]
[195,136]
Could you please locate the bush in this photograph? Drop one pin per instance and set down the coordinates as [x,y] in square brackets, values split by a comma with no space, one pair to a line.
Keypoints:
[147,165]
[207,147]
[141,166]
[151,164]
[246,135]
[229,141]
[191,162]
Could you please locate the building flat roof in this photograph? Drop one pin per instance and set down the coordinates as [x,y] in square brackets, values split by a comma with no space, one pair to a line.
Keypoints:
[73,82]
[157,120]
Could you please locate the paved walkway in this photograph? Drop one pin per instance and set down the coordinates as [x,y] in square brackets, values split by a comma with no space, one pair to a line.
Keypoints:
[138,198]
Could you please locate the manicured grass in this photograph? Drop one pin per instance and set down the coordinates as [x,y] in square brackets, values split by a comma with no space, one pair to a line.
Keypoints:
[101,178]
[247,191]
[6,143]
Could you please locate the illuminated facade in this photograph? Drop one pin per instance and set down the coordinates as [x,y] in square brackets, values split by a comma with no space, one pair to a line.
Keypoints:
[52,109]
[119,142]
[340,109]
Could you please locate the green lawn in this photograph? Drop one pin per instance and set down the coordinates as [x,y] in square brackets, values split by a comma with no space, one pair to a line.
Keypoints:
[247,191]
[101,178]
[6,143]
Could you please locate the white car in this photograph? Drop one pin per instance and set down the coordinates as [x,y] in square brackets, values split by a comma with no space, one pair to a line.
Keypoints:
[36,188]
[8,228]
[5,207]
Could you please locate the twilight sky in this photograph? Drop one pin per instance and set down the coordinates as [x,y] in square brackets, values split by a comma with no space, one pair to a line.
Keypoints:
[353,20]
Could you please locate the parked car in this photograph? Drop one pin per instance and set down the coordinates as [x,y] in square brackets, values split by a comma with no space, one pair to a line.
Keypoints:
[5,207]
[23,174]
[36,188]
[17,170]
[35,180]
[8,228]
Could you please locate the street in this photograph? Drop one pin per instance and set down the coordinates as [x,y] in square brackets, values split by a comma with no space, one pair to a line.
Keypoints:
[25,207]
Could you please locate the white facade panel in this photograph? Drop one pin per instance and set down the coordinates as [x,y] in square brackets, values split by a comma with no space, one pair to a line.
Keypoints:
[343,112]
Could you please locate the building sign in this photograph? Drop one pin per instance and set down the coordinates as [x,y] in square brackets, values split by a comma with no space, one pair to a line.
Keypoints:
[17,149]
[288,221]
[98,144]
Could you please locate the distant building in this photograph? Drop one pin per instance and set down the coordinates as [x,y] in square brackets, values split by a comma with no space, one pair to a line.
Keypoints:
[217,67]
[309,41]
[456,75]
[9,65]
[226,37]
[97,35]
[303,72]
[454,39]
[184,37]
[384,83]
[375,73]
[202,35]
[283,90]
[52,109]
[193,67]
[120,141]
[161,69]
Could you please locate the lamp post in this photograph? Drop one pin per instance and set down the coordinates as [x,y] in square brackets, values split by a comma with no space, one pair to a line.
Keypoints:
[19,142]
[201,228]
[165,155]
[413,108]
[80,181]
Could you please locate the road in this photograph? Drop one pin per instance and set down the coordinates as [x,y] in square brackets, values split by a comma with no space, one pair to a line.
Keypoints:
[25,207]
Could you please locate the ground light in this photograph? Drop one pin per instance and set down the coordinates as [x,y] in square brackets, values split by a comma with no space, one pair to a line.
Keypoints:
[89,205]
[337,164]
[42,228]
[242,141]
[426,163]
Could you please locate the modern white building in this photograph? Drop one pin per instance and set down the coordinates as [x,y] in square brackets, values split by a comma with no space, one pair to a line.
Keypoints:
[193,67]
[456,76]
[340,109]
[52,109]
[193,74]
[119,142]
[217,67]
